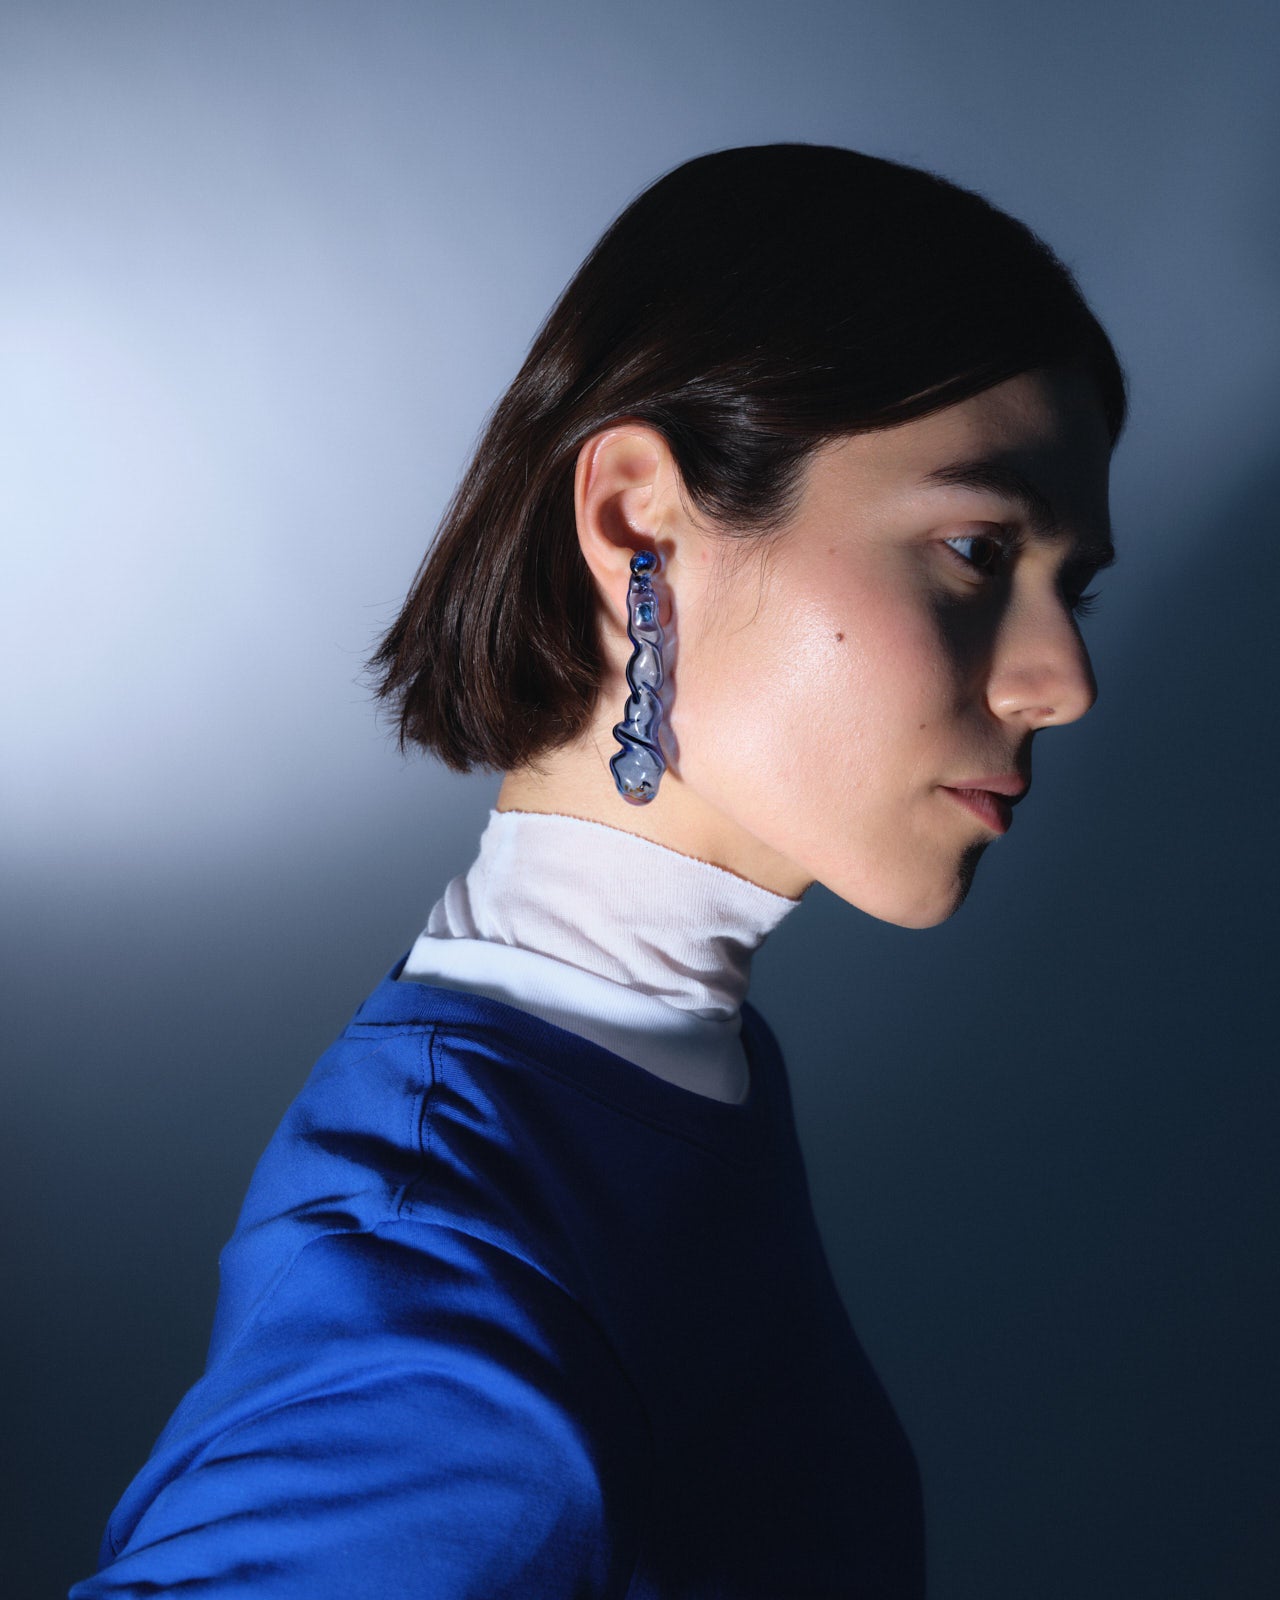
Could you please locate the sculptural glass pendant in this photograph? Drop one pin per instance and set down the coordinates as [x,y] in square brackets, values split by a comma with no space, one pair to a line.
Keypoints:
[639,764]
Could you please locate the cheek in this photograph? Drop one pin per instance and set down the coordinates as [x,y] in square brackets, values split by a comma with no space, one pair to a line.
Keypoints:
[749,702]
[857,723]
[814,695]
[786,702]
[868,669]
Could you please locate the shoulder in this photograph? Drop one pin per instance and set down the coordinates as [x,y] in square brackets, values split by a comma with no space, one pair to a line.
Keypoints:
[412,1406]
[404,1392]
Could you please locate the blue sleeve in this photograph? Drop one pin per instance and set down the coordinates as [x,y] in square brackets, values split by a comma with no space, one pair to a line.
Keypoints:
[411,1412]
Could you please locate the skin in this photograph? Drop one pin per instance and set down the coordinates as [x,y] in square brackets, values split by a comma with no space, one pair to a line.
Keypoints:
[824,688]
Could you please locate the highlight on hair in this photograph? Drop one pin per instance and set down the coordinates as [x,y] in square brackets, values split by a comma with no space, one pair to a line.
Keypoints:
[750,305]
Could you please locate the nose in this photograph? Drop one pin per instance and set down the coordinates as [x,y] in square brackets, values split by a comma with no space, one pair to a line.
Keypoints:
[1041,673]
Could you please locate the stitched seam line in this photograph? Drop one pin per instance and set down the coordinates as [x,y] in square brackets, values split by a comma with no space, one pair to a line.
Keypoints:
[476,1036]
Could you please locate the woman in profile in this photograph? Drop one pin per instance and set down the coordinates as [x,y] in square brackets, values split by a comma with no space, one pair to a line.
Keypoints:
[766,572]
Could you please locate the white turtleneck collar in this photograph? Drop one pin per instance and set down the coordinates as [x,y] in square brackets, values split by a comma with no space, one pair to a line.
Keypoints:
[629,943]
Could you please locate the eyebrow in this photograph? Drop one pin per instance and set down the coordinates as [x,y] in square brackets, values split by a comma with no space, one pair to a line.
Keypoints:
[990,475]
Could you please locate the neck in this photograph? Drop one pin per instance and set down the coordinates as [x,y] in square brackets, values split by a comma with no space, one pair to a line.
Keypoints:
[615,904]
[574,781]
[639,947]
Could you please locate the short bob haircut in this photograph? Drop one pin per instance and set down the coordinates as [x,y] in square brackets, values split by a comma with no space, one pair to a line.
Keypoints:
[750,305]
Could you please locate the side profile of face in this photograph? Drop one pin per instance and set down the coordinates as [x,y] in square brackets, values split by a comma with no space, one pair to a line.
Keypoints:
[834,691]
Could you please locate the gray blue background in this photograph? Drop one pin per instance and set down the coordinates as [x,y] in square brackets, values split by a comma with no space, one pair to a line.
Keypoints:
[264,268]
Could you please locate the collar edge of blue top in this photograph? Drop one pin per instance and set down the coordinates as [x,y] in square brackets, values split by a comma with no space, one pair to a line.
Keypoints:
[606,1075]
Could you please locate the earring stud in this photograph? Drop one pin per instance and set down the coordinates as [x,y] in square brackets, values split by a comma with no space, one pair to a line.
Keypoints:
[639,764]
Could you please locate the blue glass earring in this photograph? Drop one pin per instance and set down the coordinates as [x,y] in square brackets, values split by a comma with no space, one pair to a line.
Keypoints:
[638,766]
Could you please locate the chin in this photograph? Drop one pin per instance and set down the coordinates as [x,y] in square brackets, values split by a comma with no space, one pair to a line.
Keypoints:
[926,905]
[929,917]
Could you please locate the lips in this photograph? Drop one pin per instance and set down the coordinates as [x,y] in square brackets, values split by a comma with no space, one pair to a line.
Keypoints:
[996,810]
[1011,784]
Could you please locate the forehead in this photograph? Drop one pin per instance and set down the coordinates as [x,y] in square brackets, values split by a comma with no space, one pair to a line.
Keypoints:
[1040,437]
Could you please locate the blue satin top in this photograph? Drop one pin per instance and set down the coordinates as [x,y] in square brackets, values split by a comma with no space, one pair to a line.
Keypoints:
[507,1315]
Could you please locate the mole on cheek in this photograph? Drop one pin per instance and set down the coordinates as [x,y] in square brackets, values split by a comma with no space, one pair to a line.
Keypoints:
[839,636]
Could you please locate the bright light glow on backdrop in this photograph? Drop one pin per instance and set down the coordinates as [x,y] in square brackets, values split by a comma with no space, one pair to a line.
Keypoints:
[267,267]
[264,268]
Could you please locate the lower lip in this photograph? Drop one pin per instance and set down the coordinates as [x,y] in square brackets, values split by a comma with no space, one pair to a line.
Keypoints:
[993,809]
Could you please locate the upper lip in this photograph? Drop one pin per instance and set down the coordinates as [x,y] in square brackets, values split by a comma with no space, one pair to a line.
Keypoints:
[1012,784]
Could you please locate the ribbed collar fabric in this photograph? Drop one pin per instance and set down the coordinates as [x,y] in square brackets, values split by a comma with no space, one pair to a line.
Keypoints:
[641,948]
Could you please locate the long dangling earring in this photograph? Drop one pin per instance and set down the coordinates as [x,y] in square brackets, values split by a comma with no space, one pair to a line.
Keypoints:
[638,766]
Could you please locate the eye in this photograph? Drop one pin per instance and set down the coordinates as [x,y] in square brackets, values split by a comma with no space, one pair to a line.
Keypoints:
[988,553]
[1081,604]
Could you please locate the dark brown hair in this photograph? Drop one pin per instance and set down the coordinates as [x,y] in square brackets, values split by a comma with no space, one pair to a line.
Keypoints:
[750,305]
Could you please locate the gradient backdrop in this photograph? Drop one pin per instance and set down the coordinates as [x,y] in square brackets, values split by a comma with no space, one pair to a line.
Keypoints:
[263,270]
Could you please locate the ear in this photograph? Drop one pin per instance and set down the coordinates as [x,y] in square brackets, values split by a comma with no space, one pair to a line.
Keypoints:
[627,497]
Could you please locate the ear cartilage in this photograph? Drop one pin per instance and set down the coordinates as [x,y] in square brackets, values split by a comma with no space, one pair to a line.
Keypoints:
[639,764]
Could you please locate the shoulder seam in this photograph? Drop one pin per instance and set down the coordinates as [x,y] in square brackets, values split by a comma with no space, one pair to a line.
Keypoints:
[710,1147]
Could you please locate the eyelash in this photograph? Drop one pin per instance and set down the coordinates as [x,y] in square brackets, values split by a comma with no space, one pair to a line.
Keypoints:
[1081,606]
